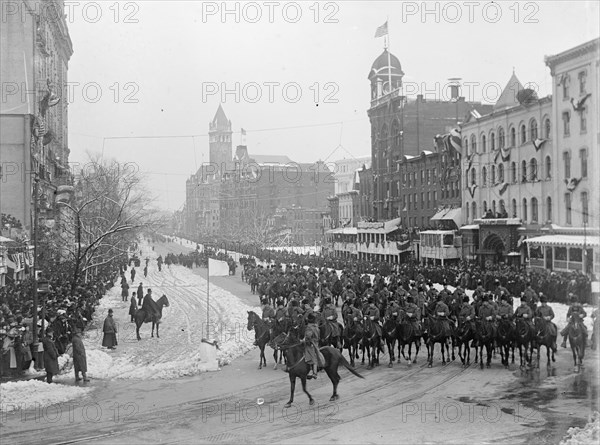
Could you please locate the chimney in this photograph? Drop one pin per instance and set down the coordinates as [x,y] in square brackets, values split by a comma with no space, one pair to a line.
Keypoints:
[454,84]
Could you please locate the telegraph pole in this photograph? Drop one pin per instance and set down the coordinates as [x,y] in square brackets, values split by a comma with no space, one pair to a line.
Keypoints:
[35,246]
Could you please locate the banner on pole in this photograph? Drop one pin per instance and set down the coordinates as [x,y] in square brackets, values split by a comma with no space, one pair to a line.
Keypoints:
[217,268]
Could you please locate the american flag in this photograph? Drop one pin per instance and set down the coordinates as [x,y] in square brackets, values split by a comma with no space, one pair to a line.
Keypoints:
[382,30]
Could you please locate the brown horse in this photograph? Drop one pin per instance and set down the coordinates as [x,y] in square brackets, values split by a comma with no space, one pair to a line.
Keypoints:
[577,340]
[263,336]
[298,368]
[142,317]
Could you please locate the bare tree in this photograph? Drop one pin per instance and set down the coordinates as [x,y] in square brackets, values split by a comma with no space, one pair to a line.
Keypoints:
[109,210]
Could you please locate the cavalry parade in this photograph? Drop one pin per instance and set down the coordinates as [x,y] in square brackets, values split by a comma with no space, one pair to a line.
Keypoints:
[362,224]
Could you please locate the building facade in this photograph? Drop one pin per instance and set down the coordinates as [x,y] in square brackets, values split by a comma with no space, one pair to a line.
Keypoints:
[401,126]
[345,173]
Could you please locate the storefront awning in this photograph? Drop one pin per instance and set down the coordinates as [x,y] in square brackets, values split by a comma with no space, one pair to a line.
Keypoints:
[564,240]
[449,215]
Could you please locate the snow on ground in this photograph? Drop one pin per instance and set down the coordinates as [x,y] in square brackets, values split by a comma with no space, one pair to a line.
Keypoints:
[586,435]
[177,352]
[34,394]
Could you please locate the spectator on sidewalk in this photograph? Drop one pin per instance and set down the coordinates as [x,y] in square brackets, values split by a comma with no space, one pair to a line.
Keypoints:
[50,355]
[109,339]
[79,357]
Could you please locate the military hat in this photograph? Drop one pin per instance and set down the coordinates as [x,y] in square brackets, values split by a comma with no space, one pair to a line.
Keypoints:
[294,302]
[311,318]
[410,299]
[543,298]
[466,299]
[370,300]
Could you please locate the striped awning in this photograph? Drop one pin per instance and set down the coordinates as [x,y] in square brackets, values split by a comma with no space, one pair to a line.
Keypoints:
[564,240]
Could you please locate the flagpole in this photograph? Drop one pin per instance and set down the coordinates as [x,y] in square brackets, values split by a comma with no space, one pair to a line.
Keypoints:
[389,56]
[207,298]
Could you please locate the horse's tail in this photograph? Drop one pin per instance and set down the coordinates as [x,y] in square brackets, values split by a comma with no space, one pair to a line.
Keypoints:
[349,367]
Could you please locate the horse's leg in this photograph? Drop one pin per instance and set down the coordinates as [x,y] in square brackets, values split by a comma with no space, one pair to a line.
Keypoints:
[417,347]
[444,344]
[489,348]
[430,348]
[157,326]
[260,357]
[275,359]
[480,347]
[152,332]
[390,353]
[311,401]
[137,330]
[292,389]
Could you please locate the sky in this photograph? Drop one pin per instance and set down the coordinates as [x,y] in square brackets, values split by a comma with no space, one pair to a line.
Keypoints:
[146,78]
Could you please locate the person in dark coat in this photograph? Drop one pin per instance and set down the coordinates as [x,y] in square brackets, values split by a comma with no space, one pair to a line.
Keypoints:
[50,355]
[109,339]
[133,307]
[124,291]
[132,274]
[79,357]
[140,293]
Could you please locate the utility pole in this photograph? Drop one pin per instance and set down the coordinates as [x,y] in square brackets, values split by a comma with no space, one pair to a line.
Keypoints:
[35,245]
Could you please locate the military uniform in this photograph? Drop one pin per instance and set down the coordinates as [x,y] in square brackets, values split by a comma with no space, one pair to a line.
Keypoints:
[576,312]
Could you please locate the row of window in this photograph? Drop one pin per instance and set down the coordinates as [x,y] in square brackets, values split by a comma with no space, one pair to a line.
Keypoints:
[566,84]
[500,140]
[529,171]
[529,211]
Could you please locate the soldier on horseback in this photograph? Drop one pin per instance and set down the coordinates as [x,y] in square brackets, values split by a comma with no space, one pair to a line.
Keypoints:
[441,312]
[524,311]
[466,313]
[280,314]
[393,309]
[487,312]
[149,306]
[412,312]
[546,313]
[576,314]
[505,310]
[312,354]
[268,316]
[330,315]
[372,312]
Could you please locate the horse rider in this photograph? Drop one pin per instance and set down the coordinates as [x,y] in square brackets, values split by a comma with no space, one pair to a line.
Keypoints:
[330,315]
[308,309]
[348,294]
[280,313]
[524,311]
[487,312]
[505,309]
[441,313]
[393,310]
[295,312]
[576,314]
[412,314]
[149,306]
[546,313]
[268,315]
[529,295]
[372,312]
[466,313]
[499,289]
[312,355]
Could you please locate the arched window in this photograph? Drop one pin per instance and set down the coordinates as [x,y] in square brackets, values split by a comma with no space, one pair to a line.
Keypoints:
[501,173]
[523,134]
[547,128]
[473,176]
[513,137]
[533,129]
[548,167]
[473,144]
[493,176]
[492,141]
[484,177]
[467,207]
[524,171]
[494,207]
[548,209]
[484,207]
[474,209]
[501,139]
[383,146]
[524,210]
[513,172]
[466,146]
[514,208]
[502,209]
[483,143]
[534,210]
[533,173]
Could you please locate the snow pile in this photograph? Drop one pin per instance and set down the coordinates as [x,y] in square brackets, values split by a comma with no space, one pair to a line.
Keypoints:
[28,394]
[586,435]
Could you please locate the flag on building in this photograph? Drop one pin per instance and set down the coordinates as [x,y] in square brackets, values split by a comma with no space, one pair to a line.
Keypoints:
[382,30]
[217,268]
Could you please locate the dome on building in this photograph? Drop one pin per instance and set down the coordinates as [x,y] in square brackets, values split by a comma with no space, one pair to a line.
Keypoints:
[380,66]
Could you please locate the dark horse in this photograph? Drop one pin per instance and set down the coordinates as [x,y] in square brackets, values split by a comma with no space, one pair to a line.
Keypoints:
[371,341]
[505,337]
[577,340]
[407,336]
[390,335]
[294,352]
[263,335]
[525,338]
[545,335]
[464,335]
[436,334]
[142,317]
[353,333]
[485,337]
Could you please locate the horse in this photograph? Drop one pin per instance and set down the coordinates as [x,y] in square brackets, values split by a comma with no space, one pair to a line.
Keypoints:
[577,340]
[485,337]
[326,337]
[353,333]
[406,336]
[436,334]
[142,317]
[263,336]
[524,337]
[390,335]
[505,337]
[544,337]
[298,368]
[371,342]
[464,335]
